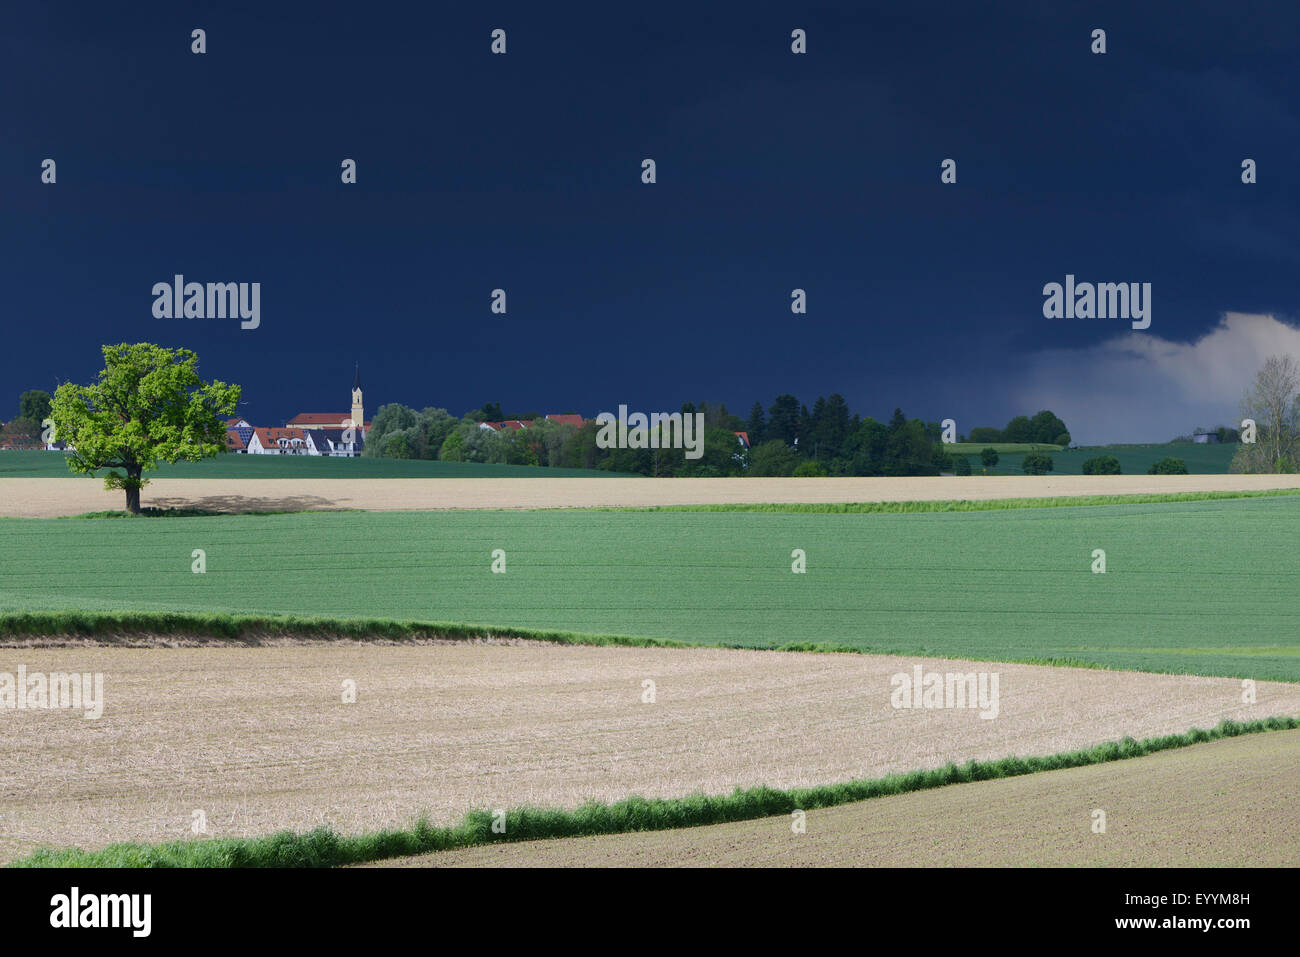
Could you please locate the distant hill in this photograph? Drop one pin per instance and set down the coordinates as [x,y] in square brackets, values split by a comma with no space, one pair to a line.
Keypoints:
[231,466]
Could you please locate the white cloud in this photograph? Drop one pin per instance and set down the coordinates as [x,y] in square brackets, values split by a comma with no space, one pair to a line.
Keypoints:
[1141,388]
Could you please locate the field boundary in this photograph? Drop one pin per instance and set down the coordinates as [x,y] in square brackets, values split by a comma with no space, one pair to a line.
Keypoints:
[324,848]
[151,629]
[957,505]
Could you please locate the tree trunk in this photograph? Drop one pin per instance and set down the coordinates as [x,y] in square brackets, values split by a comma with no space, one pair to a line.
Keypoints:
[133,484]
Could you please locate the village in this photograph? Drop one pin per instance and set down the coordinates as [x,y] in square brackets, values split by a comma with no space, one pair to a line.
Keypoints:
[339,435]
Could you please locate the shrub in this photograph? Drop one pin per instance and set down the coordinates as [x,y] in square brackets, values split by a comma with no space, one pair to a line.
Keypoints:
[773,457]
[985,434]
[1101,465]
[1168,466]
[961,465]
[989,457]
[1035,463]
[810,469]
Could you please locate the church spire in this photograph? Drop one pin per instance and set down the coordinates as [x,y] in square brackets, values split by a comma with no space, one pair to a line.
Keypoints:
[358,407]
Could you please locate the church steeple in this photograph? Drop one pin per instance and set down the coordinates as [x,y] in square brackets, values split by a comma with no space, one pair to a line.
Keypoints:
[358,407]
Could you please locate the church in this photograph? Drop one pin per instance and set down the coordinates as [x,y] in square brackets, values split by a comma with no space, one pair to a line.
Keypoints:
[334,434]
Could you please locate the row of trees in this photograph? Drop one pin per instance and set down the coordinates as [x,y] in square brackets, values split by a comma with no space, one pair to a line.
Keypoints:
[1044,428]
[400,432]
[787,438]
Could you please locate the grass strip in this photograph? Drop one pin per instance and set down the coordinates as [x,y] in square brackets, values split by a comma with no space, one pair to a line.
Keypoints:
[249,629]
[324,848]
[964,505]
[110,628]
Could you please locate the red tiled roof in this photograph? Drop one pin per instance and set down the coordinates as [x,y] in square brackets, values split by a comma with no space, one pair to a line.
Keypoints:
[567,418]
[234,440]
[513,424]
[322,420]
[269,437]
[318,418]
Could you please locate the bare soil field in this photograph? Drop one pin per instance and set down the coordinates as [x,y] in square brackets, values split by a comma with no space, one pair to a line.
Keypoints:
[260,739]
[1226,803]
[49,497]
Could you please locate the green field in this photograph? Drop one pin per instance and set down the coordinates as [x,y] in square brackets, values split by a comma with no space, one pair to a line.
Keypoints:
[1204,587]
[1002,448]
[1133,459]
[231,466]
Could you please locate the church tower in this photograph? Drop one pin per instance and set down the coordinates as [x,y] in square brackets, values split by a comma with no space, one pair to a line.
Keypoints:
[358,409]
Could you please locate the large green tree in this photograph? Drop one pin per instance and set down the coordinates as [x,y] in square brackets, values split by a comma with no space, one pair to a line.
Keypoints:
[1047,427]
[149,406]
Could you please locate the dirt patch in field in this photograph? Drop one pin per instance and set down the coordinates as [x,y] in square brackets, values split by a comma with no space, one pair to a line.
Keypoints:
[1226,803]
[49,497]
[260,739]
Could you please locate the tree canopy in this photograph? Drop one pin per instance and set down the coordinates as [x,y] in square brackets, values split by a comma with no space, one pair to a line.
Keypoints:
[149,405]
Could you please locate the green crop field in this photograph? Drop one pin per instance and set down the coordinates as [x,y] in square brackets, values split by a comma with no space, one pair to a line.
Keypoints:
[231,466]
[1133,459]
[1204,587]
[1002,448]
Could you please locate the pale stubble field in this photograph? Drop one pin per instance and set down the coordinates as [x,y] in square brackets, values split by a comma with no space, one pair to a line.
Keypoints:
[48,497]
[259,739]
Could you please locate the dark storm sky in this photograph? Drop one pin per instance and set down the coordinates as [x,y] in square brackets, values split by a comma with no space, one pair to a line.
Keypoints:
[775,171]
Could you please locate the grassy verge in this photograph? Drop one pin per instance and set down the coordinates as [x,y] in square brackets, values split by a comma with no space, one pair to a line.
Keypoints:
[324,848]
[108,628]
[249,629]
[964,505]
[220,627]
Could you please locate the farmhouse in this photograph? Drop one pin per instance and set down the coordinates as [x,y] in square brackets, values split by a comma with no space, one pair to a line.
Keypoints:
[278,442]
[1206,438]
